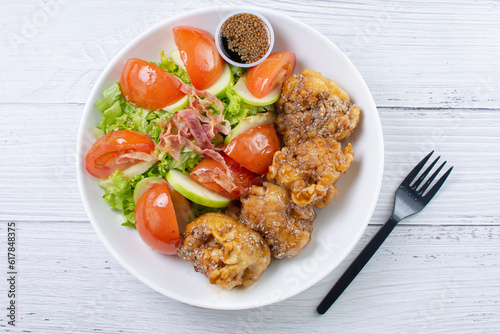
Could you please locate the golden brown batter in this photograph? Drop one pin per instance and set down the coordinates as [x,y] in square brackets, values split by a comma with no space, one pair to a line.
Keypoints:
[225,250]
[310,170]
[313,106]
[285,226]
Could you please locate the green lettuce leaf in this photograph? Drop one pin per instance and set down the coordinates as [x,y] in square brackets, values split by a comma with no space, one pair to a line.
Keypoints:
[118,114]
[168,64]
[120,195]
[187,161]
[235,109]
[110,96]
[236,71]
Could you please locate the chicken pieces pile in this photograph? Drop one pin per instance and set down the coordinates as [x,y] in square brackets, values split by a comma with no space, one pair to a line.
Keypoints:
[314,113]
[277,218]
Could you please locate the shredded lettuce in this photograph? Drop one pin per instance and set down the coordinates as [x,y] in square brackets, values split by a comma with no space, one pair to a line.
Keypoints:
[187,161]
[236,71]
[168,64]
[235,109]
[110,96]
[118,114]
[120,195]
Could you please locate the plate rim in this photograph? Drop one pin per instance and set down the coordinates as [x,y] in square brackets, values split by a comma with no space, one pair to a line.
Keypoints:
[82,130]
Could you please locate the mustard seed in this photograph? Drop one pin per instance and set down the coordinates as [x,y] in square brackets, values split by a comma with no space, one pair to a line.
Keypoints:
[246,38]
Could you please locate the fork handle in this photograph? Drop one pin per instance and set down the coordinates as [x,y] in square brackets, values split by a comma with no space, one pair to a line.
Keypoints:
[357,265]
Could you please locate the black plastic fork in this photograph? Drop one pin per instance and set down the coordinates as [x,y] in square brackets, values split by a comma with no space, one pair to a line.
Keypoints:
[410,198]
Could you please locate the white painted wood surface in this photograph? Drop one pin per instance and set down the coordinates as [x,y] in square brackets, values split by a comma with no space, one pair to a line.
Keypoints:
[434,70]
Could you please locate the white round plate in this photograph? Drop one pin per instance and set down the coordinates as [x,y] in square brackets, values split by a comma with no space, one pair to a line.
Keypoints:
[337,228]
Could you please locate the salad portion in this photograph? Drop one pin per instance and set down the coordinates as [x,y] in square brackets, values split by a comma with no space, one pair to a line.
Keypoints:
[190,150]
[190,130]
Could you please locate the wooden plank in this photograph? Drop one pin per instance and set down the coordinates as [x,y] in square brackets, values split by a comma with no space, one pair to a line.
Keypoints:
[423,279]
[439,54]
[432,67]
[38,174]
[468,140]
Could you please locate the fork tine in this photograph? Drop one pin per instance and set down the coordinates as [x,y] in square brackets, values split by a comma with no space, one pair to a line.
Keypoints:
[429,181]
[438,185]
[415,170]
[424,174]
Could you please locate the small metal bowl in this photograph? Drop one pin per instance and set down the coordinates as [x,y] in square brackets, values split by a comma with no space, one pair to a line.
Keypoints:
[232,57]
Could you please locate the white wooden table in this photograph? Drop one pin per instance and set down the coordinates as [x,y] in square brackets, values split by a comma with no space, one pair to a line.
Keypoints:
[434,70]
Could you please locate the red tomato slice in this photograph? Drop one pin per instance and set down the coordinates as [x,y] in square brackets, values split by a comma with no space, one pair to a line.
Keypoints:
[148,86]
[254,148]
[100,160]
[243,178]
[155,220]
[199,54]
[271,73]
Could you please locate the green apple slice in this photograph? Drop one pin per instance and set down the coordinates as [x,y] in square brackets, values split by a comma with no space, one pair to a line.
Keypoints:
[137,169]
[145,184]
[179,105]
[176,57]
[183,210]
[241,89]
[194,191]
[251,122]
[222,84]
[182,103]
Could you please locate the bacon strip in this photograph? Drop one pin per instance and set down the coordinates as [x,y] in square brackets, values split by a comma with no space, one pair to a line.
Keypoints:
[220,177]
[197,122]
[215,120]
[196,128]
[142,156]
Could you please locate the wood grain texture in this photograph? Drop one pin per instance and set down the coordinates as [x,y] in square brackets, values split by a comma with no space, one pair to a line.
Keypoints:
[441,54]
[36,181]
[434,71]
[423,279]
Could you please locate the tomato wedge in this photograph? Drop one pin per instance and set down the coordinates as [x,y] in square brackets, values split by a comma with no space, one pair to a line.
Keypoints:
[183,210]
[199,54]
[100,160]
[271,73]
[243,178]
[148,86]
[254,148]
[155,220]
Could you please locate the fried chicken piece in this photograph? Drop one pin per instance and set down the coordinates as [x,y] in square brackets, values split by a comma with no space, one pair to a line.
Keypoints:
[233,210]
[313,106]
[285,226]
[225,250]
[310,170]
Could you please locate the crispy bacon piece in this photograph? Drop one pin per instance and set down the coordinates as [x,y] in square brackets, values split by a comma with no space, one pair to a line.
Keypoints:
[194,127]
[234,185]
[142,156]
[217,175]
[213,120]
